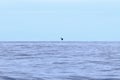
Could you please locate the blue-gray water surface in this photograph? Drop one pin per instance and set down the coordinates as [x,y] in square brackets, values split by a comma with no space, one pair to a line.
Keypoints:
[59,60]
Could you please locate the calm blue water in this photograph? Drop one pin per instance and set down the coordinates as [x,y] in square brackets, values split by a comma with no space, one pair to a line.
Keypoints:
[59,60]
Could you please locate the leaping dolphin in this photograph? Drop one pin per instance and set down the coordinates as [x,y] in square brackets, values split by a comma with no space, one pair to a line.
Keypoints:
[61,39]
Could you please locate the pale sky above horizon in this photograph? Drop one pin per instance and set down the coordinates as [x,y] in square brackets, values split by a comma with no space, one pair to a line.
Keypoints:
[48,20]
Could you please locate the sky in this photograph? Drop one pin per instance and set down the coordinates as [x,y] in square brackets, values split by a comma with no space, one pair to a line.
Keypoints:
[48,20]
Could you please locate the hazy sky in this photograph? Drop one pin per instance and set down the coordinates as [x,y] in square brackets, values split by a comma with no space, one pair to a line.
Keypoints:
[79,20]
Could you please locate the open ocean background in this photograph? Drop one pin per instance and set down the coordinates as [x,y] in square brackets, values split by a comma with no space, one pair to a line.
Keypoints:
[59,60]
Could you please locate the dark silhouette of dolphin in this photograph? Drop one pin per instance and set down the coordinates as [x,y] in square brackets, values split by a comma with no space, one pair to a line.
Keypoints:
[61,39]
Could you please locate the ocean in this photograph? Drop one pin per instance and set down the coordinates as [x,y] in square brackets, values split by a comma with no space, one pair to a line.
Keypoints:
[55,60]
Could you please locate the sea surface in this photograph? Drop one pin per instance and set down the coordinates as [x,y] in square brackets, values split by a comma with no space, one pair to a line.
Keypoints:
[63,60]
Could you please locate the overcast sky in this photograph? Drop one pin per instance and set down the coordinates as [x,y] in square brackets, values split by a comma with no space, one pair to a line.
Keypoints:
[48,20]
